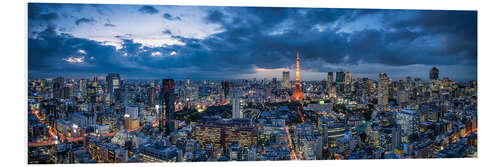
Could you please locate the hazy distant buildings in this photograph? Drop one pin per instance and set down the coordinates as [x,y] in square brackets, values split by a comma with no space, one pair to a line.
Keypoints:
[286,79]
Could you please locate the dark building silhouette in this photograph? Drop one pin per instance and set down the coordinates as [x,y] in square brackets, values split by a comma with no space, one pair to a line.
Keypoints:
[167,107]
[434,74]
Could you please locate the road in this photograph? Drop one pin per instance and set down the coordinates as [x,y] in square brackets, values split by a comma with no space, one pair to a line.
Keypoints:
[293,156]
[301,116]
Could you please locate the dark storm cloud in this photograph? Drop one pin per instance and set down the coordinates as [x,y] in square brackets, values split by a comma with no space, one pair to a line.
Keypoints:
[167,32]
[148,10]
[42,13]
[49,54]
[84,20]
[109,25]
[170,17]
[269,37]
[215,16]
[50,31]
[397,45]
[457,28]
[49,16]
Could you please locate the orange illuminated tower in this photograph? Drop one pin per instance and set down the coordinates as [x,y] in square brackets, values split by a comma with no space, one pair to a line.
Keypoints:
[297,93]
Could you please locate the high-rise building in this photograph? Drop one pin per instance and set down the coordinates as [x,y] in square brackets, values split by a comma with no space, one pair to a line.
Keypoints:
[331,86]
[236,103]
[82,85]
[167,106]
[275,80]
[434,74]
[347,77]
[60,80]
[383,89]
[225,88]
[297,93]
[57,89]
[286,79]
[402,97]
[92,91]
[151,95]
[112,82]
[340,77]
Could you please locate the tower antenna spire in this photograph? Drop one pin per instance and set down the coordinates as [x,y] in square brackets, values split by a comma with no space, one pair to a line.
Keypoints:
[297,93]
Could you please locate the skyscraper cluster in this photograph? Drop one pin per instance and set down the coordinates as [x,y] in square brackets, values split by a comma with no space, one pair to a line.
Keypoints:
[117,120]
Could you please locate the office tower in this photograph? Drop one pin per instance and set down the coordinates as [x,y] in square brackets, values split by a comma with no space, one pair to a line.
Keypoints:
[330,79]
[333,91]
[434,74]
[347,79]
[188,81]
[225,88]
[402,97]
[112,82]
[236,103]
[151,95]
[67,92]
[340,77]
[409,84]
[60,80]
[383,89]
[324,84]
[167,108]
[286,79]
[57,90]
[92,91]
[330,84]
[297,93]
[82,85]
[274,82]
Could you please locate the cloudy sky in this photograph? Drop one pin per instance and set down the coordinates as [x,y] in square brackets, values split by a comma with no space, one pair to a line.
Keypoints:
[153,42]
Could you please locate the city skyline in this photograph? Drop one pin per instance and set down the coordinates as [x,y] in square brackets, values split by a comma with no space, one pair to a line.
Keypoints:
[144,84]
[220,43]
